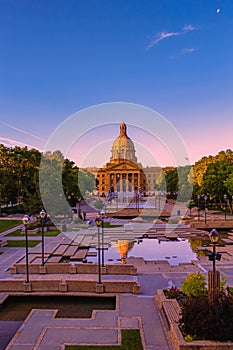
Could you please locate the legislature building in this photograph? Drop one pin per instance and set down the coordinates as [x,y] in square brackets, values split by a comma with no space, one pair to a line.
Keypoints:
[123,173]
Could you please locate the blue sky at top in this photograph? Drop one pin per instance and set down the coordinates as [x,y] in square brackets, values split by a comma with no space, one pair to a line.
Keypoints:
[57,57]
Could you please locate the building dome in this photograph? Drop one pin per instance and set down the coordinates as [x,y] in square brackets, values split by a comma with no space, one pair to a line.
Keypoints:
[123,147]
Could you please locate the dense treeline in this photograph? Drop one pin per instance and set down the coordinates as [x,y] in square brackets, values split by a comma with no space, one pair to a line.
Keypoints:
[21,181]
[211,176]
[19,178]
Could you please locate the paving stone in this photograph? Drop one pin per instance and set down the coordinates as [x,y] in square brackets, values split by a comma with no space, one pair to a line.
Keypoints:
[129,322]
[56,336]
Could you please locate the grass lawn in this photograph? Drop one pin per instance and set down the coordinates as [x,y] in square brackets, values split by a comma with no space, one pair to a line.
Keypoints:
[131,340]
[7,224]
[109,225]
[22,243]
[51,233]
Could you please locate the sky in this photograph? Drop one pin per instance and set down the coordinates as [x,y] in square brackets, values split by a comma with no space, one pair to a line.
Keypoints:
[172,56]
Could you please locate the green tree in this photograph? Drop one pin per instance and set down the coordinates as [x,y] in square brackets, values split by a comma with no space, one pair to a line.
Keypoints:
[194,285]
[171,177]
[191,204]
[228,184]
[215,178]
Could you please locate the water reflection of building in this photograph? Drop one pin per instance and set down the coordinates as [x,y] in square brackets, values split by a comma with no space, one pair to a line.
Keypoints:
[123,173]
[123,246]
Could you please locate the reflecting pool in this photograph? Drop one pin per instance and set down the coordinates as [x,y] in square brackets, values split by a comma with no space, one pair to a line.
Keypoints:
[175,252]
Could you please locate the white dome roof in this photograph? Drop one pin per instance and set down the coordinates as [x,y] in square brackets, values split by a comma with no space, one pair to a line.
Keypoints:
[123,146]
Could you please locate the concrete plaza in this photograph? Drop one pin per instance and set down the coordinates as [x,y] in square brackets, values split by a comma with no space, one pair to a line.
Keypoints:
[42,330]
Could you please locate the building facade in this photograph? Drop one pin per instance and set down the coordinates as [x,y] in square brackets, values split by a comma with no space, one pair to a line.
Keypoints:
[123,173]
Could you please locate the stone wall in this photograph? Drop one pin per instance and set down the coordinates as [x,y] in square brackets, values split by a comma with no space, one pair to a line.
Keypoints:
[66,268]
[61,285]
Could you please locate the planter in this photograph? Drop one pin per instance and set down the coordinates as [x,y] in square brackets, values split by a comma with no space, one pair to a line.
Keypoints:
[172,311]
[31,231]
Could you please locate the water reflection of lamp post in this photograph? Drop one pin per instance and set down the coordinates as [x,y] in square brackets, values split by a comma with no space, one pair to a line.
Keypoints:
[214,276]
[25,222]
[225,206]
[102,214]
[43,215]
[98,222]
[198,206]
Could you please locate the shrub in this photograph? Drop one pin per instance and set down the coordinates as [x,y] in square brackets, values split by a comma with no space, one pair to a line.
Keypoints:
[223,281]
[172,292]
[188,338]
[194,285]
[229,290]
[203,319]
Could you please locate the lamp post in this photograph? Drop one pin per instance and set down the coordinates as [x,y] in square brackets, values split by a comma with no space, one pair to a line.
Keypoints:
[116,200]
[198,206]
[43,216]
[79,207]
[214,275]
[136,200]
[102,214]
[25,222]
[225,207]
[159,202]
[98,222]
[205,199]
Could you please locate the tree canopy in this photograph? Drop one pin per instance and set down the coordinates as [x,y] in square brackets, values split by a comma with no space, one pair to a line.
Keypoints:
[21,168]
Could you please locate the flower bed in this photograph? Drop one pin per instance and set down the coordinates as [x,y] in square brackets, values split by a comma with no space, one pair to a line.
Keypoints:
[172,311]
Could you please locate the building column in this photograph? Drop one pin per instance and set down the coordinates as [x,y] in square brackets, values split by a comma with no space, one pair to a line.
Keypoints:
[127,182]
[139,180]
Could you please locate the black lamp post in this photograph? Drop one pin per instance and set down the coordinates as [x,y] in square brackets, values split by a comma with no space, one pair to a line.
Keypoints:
[116,200]
[43,216]
[159,202]
[214,237]
[137,200]
[25,222]
[102,214]
[198,206]
[214,276]
[205,199]
[98,222]
[225,206]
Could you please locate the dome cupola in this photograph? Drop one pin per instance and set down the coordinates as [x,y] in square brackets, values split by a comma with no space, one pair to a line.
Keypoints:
[123,147]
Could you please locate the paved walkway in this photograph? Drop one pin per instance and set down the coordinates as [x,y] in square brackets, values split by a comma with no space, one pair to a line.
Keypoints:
[43,331]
